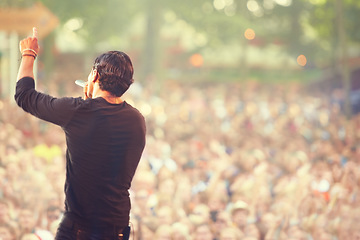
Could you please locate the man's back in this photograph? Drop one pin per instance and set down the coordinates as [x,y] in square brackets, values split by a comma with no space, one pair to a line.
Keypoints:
[104,145]
[105,142]
[105,138]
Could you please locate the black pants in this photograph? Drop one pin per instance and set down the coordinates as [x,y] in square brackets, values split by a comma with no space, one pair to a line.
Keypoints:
[72,229]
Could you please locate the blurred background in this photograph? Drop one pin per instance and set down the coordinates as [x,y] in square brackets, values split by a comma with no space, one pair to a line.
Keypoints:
[251,109]
[204,41]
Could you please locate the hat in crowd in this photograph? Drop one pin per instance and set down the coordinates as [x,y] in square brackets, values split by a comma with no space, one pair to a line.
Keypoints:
[239,205]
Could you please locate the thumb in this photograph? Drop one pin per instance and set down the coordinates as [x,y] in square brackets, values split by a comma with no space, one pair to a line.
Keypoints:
[35,32]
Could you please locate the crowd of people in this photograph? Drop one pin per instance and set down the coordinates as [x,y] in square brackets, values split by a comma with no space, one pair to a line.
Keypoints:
[236,161]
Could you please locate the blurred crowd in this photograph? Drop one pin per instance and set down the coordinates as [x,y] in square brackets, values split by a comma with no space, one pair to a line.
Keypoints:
[237,161]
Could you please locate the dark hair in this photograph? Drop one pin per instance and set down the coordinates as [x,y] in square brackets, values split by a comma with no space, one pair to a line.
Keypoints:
[115,72]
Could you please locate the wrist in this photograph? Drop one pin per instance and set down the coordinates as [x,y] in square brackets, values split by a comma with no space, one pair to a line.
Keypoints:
[29,52]
[28,55]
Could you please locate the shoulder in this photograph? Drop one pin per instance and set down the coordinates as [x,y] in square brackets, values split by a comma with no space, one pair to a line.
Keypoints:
[133,110]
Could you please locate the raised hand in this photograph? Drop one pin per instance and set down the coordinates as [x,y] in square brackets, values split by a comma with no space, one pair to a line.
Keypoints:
[29,46]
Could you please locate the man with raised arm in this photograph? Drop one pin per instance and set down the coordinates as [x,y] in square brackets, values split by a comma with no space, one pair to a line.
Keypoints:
[105,138]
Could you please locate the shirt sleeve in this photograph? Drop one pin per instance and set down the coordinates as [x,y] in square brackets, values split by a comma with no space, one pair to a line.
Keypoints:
[55,110]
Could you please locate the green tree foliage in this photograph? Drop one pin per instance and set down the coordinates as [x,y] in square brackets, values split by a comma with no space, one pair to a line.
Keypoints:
[298,26]
[101,19]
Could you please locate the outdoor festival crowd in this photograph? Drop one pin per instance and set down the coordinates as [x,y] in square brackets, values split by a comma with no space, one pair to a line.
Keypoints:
[237,161]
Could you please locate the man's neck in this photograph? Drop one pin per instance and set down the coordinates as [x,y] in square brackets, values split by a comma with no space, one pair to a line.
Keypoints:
[109,98]
[97,92]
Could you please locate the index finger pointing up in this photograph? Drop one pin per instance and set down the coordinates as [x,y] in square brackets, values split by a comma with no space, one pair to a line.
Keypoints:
[35,33]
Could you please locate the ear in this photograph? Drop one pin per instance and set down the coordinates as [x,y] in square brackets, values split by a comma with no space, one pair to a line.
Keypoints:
[95,76]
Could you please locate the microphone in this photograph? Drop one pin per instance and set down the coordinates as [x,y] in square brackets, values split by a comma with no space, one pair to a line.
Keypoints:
[80,83]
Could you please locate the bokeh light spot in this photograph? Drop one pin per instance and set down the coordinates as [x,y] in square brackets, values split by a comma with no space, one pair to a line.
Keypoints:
[284,3]
[301,60]
[253,6]
[219,4]
[196,60]
[249,34]
[74,24]
[145,109]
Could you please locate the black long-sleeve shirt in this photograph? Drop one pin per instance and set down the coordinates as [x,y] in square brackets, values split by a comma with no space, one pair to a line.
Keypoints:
[104,145]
